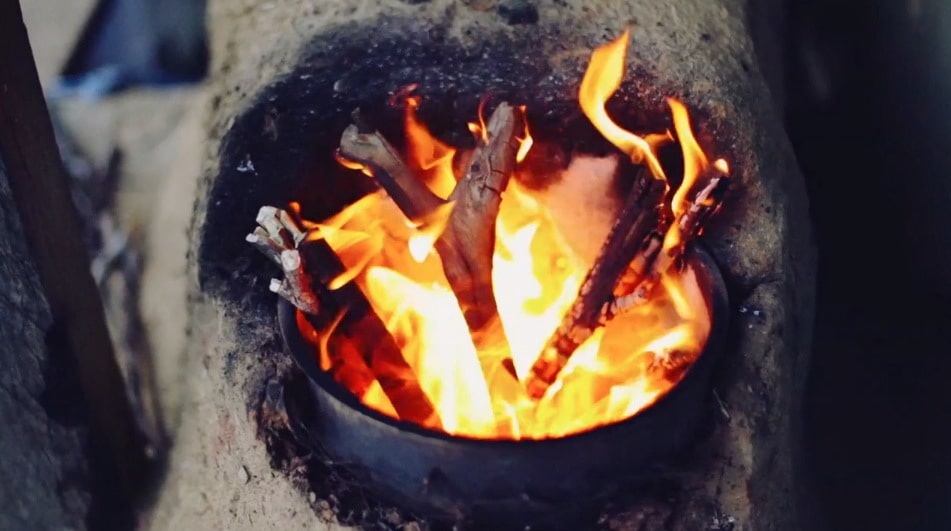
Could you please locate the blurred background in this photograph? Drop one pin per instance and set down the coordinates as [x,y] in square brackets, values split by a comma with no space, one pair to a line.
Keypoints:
[867,97]
[869,115]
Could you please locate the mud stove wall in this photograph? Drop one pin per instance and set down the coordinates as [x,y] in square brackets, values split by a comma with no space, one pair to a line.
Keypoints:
[287,79]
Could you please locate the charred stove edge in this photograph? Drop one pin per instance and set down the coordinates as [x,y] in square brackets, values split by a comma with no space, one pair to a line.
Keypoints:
[516,482]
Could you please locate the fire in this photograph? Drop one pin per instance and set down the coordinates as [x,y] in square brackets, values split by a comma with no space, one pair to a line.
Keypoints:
[621,369]
[431,159]
[695,164]
[601,80]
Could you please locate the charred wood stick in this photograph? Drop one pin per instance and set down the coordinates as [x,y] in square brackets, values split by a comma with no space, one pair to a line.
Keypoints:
[467,244]
[297,283]
[630,233]
[370,149]
[367,335]
[309,266]
[335,355]
[644,259]
[277,237]
[704,205]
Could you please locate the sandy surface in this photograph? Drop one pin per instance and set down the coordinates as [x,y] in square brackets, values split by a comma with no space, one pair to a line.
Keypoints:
[54,26]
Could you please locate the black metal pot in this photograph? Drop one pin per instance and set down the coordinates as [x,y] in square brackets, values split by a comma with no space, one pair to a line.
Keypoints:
[508,483]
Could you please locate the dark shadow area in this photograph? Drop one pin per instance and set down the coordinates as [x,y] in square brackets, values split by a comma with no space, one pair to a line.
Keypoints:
[870,118]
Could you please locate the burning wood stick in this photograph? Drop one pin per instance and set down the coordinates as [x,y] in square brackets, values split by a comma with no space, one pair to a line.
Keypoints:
[596,305]
[370,148]
[277,237]
[642,260]
[280,237]
[702,207]
[467,244]
[630,234]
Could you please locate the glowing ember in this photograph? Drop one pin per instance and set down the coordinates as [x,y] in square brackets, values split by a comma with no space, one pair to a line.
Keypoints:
[623,367]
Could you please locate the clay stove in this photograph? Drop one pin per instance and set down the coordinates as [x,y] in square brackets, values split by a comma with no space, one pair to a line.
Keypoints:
[420,312]
[724,448]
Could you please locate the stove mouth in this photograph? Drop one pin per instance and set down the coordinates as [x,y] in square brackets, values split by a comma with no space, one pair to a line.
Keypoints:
[515,482]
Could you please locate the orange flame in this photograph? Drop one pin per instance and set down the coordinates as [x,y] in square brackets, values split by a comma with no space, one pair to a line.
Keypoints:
[621,369]
[601,80]
[696,165]
[352,164]
[479,128]
[431,159]
[428,230]
[526,142]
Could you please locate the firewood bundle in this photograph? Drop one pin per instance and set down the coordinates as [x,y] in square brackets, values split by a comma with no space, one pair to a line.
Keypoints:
[648,238]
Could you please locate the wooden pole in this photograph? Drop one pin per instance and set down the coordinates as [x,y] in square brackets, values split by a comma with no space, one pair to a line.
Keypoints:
[52,227]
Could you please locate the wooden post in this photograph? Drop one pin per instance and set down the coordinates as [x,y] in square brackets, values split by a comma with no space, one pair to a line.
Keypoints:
[52,228]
